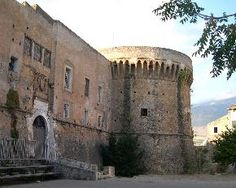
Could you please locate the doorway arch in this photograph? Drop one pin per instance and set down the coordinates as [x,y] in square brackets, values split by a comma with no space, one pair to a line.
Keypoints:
[39,135]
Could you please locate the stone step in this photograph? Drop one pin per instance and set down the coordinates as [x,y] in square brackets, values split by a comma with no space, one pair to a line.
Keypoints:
[26,169]
[28,177]
[22,162]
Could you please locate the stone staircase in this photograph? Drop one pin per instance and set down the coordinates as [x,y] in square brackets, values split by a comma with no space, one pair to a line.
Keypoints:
[24,170]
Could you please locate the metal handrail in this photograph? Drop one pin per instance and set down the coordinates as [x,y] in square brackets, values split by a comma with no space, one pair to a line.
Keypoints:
[16,148]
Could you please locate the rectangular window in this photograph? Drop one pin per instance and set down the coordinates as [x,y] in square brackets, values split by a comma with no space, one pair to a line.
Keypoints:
[234,124]
[99,94]
[85,117]
[13,64]
[144,111]
[99,121]
[66,110]
[37,52]
[47,58]
[68,78]
[215,129]
[27,46]
[86,89]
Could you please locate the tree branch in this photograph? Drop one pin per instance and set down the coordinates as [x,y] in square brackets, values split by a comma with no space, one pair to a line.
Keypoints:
[205,16]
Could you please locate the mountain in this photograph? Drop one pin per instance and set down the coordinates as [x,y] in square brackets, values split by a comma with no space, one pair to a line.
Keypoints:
[209,111]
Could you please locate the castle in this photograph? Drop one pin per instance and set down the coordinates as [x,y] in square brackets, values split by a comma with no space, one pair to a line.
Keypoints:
[71,96]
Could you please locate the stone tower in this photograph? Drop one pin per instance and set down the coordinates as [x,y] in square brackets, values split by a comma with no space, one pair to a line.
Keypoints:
[151,94]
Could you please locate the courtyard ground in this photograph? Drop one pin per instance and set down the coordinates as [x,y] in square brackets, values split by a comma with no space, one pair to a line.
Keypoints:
[151,181]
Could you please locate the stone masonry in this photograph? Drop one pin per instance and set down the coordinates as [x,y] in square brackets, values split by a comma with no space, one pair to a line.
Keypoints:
[146,88]
[74,96]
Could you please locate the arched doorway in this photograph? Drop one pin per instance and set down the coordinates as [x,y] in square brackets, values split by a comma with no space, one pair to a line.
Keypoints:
[39,133]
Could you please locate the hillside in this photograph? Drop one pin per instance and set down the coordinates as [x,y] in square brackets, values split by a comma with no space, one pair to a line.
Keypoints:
[206,112]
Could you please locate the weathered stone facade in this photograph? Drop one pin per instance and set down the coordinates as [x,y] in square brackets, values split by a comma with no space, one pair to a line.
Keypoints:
[73,96]
[148,95]
[35,53]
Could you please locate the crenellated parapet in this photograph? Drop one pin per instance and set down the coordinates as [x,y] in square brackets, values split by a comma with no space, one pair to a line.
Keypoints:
[151,96]
[147,62]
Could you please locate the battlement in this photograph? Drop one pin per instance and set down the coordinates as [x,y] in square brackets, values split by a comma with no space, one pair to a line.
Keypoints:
[147,62]
[149,69]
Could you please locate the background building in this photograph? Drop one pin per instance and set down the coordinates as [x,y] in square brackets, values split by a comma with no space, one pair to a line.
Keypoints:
[215,128]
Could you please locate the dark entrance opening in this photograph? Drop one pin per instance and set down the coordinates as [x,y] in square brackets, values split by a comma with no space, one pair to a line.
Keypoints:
[39,132]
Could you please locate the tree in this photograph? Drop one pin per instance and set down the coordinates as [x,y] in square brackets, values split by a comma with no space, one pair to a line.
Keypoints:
[218,36]
[125,154]
[225,148]
[108,152]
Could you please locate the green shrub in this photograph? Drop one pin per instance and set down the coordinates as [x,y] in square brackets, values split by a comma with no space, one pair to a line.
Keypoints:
[125,154]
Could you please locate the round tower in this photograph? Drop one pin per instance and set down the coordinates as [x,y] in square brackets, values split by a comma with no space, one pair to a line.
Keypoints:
[151,94]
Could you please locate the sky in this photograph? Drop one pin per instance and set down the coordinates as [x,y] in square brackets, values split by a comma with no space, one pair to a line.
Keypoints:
[108,23]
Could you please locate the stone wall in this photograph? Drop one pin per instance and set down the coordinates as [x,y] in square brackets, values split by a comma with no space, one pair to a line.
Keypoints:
[71,169]
[85,62]
[148,97]
[20,71]
[79,143]
[6,119]
[75,135]
[41,83]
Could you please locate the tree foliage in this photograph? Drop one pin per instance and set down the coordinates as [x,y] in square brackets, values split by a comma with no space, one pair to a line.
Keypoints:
[218,36]
[125,154]
[108,152]
[225,148]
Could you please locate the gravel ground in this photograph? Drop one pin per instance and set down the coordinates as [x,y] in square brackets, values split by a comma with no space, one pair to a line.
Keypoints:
[151,181]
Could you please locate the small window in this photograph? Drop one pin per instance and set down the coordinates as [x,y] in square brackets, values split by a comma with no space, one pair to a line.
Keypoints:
[47,58]
[66,110]
[215,129]
[99,94]
[99,121]
[13,64]
[234,124]
[37,52]
[144,111]
[86,90]
[68,78]
[27,46]
[85,117]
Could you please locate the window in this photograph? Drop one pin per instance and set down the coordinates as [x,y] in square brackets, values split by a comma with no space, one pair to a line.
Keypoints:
[47,58]
[234,124]
[37,52]
[215,129]
[99,94]
[99,121]
[66,110]
[27,46]
[85,117]
[13,64]
[86,91]
[68,78]
[143,111]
